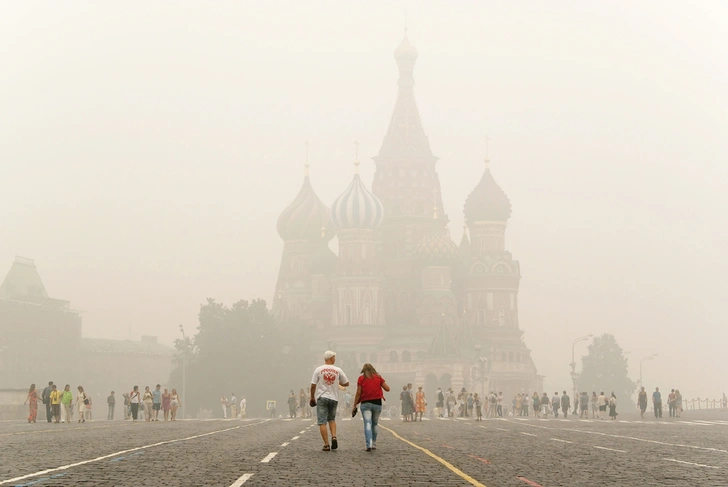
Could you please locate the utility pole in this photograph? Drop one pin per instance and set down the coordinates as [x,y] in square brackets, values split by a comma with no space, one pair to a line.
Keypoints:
[184,369]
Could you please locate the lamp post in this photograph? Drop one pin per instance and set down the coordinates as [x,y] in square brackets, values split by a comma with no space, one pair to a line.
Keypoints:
[573,364]
[184,368]
[641,362]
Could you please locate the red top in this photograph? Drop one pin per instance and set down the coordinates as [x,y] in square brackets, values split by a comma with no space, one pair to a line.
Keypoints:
[371,389]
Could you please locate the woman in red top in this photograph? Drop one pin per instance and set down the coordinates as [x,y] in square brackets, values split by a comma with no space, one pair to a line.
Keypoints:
[369,394]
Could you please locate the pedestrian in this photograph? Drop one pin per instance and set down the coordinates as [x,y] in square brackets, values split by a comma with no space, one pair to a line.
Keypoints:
[556,404]
[224,405]
[134,401]
[46,398]
[111,402]
[671,403]
[492,404]
[450,403]
[499,403]
[411,400]
[517,410]
[613,406]
[243,405]
[584,405]
[148,402]
[478,408]
[291,404]
[166,403]
[565,404]
[89,406]
[32,401]
[678,402]
[642,402]
[602,402]
[403,398]
[56,403]
[234,405]
[127,405]
[302,404]
[176,403]
[657,403]
[156,402]
[594,402]
[420,403]
[67,404]
[82,401]
[440,402]
[576,403]
[545,405]
[536,403]
[370,387]
[325,384]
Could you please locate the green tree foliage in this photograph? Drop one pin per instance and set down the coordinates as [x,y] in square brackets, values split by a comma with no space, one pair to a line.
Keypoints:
[239,349]
[604,368]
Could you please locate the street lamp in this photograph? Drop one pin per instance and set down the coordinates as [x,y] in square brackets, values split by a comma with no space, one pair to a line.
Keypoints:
[644,360]
[573,363]
[184,367]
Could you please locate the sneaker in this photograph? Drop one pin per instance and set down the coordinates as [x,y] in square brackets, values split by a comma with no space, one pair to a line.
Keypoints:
[369,449]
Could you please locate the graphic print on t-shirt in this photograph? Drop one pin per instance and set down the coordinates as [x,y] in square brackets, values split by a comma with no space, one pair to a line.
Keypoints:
[329,376]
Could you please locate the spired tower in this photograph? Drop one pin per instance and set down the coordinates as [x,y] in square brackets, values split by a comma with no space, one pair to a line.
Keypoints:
[357,280]
[301,297]
[405,181]
[489,279]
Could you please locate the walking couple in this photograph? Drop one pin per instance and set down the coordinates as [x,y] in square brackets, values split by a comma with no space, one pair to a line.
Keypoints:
[325,397]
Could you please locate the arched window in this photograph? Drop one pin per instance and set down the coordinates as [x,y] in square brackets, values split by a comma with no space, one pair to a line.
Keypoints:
[393,357]
[518,356]
[510,356]
[406,356]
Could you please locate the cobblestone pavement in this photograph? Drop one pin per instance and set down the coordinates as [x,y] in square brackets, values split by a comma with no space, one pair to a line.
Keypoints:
[448,452]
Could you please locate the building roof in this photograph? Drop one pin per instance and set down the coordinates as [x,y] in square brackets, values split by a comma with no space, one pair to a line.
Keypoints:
[306,218]
[146,346]
[357,207]
[23,281]
[487,201]
[443,345]
[405,138]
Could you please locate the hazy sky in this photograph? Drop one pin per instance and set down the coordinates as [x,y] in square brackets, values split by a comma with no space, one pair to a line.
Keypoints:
[147,148]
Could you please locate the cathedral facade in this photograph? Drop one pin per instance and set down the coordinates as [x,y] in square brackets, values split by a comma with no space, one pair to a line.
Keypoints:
[400,293]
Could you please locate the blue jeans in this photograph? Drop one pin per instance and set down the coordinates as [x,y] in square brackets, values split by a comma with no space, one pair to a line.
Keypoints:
[370,413]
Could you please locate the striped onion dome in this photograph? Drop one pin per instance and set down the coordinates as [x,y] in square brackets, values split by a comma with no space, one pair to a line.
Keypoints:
[306,218]
[357,207]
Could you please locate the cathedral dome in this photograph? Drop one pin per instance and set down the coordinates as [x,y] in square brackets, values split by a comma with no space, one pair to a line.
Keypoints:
[357,207]
[307,218]
[437,248]
[405,51]
[487,202]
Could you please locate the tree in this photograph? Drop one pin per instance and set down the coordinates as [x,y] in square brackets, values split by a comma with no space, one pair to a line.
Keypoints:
[240,349]
[604,368]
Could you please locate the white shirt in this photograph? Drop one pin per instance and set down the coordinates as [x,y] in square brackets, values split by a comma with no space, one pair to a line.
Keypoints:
[327,379]
[602,400]
[242,403]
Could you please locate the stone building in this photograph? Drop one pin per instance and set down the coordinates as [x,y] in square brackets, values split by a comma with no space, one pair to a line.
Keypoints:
[400,293]
[41,340]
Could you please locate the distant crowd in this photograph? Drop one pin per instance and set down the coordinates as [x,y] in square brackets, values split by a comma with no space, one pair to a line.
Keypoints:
[61,405]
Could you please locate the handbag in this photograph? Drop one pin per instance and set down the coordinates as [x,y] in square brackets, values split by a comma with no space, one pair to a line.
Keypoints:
[85,400]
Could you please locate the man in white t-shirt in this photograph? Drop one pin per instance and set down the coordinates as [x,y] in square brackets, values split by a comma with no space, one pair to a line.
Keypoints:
[325,396]
[243,404]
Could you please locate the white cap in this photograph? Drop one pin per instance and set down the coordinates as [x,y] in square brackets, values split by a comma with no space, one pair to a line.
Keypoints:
[329,354]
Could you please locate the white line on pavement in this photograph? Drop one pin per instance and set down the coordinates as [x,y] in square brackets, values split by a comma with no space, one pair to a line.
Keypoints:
[528,434]
[609,449]
[285,444]
[104,457]
[302,432]
[269,457]
[241,480]
[648,441]
[295,438]
[690,463]
[561,441]
[501,429]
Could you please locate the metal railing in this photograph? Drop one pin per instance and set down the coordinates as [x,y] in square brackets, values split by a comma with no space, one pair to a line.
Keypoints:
[700,404]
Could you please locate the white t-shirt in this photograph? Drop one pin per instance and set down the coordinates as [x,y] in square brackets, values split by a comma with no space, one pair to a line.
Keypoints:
[327,379]
[602,400]
[134,397]
[242,403]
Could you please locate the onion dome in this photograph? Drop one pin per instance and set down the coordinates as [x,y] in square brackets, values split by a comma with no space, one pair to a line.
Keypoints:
[307,218]
[357,207]
[487,202]
[437,248]
[405,51]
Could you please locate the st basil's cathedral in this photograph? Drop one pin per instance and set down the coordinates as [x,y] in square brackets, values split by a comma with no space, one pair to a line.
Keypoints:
[400,293]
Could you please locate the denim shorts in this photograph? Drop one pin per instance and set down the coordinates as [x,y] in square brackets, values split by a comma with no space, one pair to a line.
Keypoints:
[325,410]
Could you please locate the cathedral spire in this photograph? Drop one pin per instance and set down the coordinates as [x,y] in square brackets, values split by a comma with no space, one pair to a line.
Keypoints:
[405,138]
